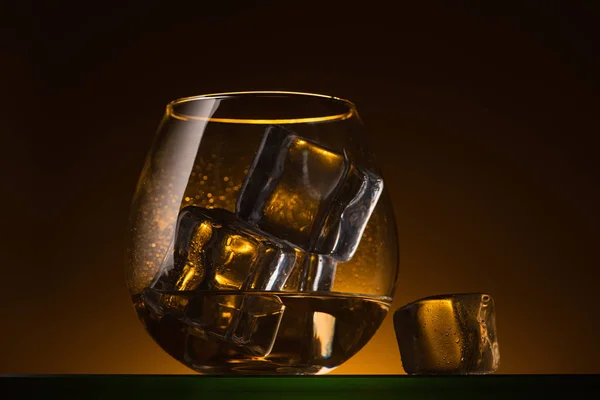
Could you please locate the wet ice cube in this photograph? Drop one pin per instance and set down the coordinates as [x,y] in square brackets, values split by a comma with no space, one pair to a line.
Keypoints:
[214,314]
[214,250]
[312,273]
[307,194]
[163,304]
[289,186]
[258,324]
[320,273]
[250,322]
[448,334]
[349,213]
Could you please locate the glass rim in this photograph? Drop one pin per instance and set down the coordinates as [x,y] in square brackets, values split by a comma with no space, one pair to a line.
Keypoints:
[351,108]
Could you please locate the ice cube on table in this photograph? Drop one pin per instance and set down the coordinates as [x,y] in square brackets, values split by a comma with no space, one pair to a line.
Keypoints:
[309,195]
[214,250]
[249,322]
[448,334]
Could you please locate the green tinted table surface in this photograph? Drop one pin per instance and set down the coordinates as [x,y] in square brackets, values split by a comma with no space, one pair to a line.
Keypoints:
[302,387]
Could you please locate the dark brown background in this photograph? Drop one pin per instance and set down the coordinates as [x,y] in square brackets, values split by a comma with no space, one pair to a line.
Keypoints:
[484,121]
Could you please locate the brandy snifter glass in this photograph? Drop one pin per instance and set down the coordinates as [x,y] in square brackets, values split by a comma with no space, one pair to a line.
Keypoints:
[261,238]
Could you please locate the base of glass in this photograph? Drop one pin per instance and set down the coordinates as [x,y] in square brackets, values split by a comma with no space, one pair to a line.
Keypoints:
[259,367]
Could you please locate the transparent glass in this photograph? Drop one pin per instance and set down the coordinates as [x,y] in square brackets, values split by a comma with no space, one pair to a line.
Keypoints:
[261,237]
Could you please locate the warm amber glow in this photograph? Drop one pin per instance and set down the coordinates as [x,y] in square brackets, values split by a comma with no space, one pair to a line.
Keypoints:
[174,301]
[286,207]
[226,315]
[191,276]
[440,331]
[327,156]
[338,117]
[193,271]
[239,254]
[237,244]
[203,233]
[328,118]
[323,332]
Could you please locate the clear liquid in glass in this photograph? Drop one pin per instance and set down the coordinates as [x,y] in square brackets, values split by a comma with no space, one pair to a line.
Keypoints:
[315,334]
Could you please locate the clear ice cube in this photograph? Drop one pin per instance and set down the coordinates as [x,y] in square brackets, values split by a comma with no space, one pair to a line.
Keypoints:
[248,322]
[448,334]
[312,273]
[258,324]
[214,250]
[319,273]
[308,195]
[214,314]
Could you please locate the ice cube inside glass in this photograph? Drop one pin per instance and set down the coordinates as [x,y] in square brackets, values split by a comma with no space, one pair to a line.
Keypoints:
[214,250]
[307,194]
[247,321]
